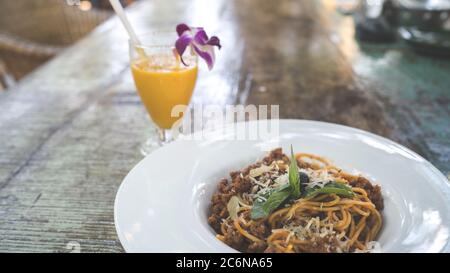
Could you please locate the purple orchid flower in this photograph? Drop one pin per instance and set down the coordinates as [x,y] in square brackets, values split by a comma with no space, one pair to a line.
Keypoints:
[197,38]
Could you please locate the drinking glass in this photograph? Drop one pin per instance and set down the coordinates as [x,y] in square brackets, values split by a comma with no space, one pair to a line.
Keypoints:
[163,82]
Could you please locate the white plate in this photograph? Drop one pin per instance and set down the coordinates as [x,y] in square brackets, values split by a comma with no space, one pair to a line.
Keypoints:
[162,203]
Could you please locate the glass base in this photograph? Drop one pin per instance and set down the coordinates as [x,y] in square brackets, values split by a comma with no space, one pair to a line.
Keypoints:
[151,144]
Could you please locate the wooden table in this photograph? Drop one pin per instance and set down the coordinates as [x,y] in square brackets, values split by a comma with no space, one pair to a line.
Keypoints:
[71,131]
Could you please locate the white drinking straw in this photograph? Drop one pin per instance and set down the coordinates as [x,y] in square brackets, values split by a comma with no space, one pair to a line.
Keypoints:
[123,17]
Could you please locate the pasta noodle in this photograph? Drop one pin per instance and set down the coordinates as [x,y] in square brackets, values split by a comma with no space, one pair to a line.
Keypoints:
[324,222]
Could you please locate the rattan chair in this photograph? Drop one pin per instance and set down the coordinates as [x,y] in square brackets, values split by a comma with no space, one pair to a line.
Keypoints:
[31,32]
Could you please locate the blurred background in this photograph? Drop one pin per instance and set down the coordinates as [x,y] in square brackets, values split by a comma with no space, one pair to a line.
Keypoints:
[32,32]
[52,25]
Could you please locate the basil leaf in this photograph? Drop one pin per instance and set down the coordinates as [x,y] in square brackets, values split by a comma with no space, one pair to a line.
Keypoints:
[294,179]
[257,208]
[273,199]
[276,199]
[333,187]
[264,204]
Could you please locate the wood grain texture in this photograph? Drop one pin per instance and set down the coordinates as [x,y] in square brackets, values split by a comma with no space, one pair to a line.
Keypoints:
[71,131]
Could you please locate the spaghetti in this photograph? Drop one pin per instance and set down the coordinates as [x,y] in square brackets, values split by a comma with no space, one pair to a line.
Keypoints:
[326,220]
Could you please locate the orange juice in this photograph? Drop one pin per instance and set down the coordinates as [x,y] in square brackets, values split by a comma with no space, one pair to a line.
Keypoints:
[162,86]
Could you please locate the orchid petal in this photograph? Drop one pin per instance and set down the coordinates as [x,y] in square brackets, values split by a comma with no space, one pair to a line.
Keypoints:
[182,43]
[201,37]
[196,29]
[198,40]
[206,53]
[181,28]
[214,41]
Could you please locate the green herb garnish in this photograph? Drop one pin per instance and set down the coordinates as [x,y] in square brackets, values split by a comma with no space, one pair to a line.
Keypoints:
[332,187]
[273,199]
[266,203]
[294,179]
[277,198]
[257,209]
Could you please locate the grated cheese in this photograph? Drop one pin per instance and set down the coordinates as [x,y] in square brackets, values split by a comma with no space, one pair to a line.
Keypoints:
[318,178]
[311,230]
[262,185]
[259,171]
[282,179]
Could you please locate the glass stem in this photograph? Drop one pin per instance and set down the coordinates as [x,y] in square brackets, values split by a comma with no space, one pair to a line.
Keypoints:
[164,135]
